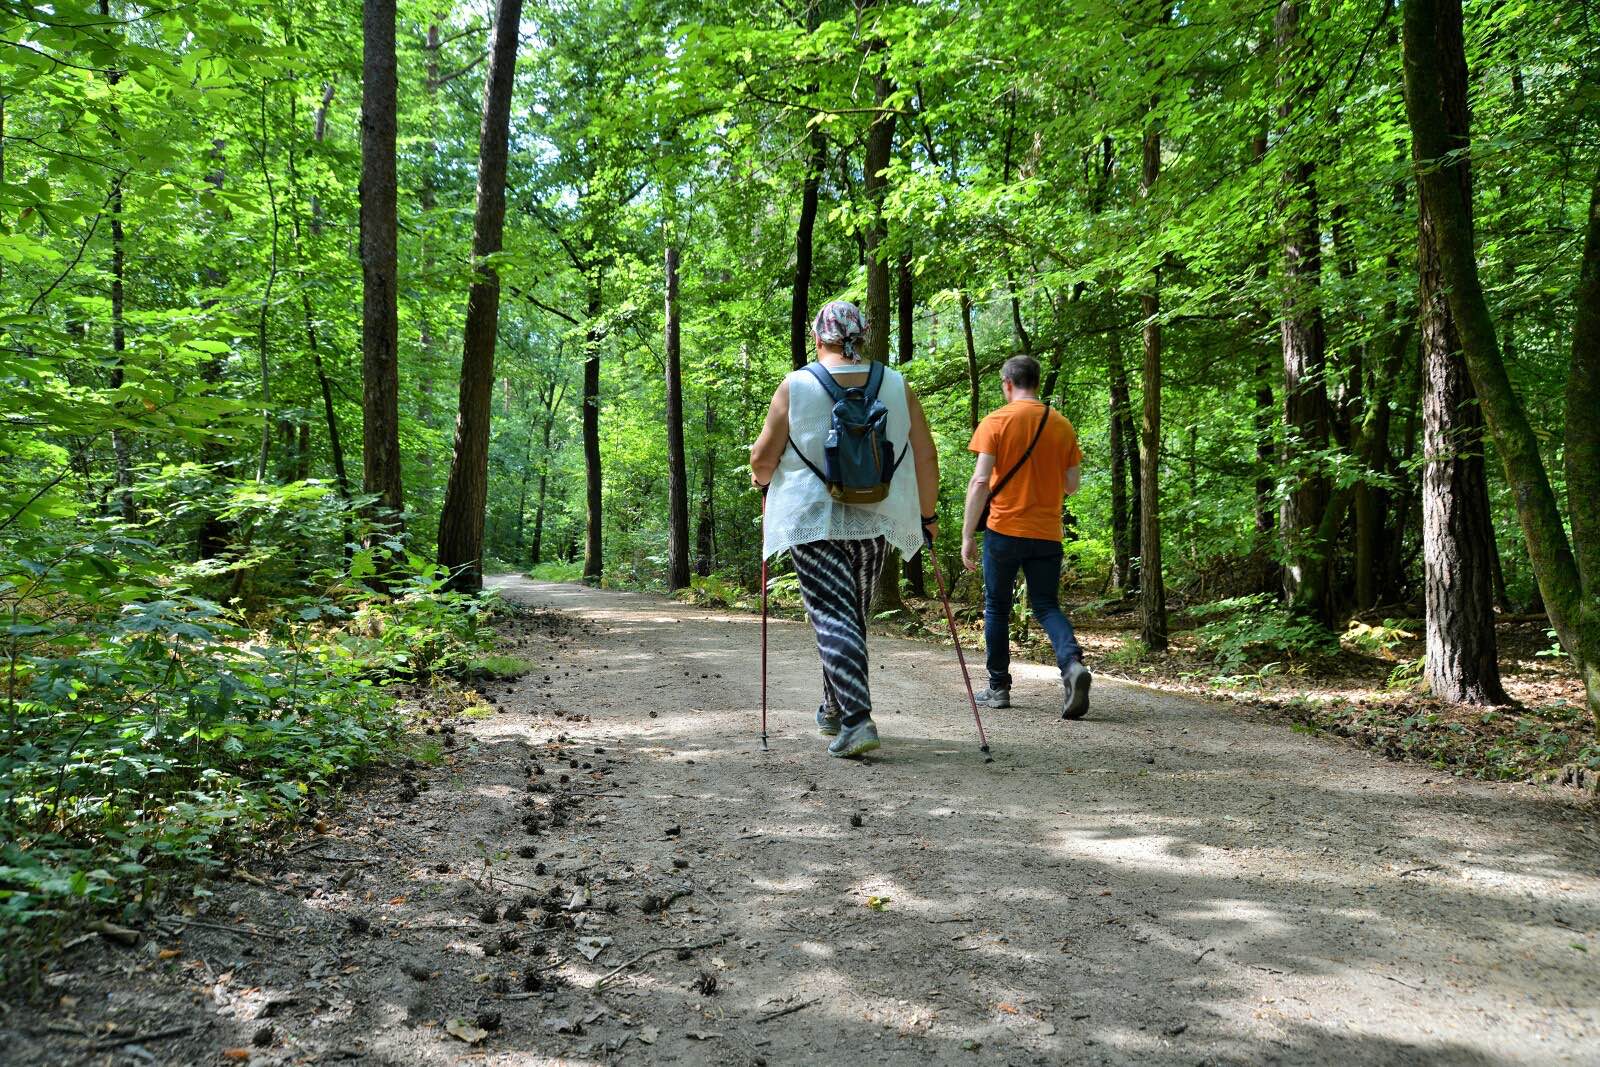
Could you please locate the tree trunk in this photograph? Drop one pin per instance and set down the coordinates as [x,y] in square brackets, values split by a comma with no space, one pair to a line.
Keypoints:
[593,487]
[800,302]
[1436,105]
[1117,416]
[880,145]
[262,320]
[677,462]
[466,492]
[1457,534]
[319,127]
[1152,581]
[706,534]
[380,315]
[121,449]
[973,384]
[905,337]
[1305,395]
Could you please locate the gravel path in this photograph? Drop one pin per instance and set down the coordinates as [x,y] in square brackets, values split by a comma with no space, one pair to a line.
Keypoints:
[1165,882]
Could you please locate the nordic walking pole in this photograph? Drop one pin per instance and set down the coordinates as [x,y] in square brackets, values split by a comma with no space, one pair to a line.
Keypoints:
[764,619]
[949,616]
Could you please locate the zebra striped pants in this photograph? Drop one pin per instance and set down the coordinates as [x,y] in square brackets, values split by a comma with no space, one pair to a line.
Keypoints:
[836,583]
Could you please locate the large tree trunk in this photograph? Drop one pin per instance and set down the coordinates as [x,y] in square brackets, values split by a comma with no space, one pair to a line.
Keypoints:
[1305,394]
[466,492]
[1152,581]
[1457,534]
[593,486]
[380,315]
[677,462]
[1436,105]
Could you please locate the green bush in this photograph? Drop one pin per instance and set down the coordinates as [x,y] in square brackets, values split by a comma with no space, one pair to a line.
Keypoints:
[1242,629]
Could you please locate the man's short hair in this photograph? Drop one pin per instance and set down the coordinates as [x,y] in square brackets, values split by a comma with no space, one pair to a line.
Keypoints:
[1021,371]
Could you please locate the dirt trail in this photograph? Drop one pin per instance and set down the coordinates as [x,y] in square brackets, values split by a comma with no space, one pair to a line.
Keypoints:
[1164,882]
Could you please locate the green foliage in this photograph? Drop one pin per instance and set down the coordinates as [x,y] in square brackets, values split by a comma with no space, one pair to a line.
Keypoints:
[1242,629]
[1383,637]
[1129,653]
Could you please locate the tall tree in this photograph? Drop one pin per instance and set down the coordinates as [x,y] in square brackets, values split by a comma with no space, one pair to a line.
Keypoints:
[1305,395]
[906,351]
[1152,579]
[1568,571]
[380,313]
[677,462]
[461,519]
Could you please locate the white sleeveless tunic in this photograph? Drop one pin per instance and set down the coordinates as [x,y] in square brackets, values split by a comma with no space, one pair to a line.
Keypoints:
[799,508]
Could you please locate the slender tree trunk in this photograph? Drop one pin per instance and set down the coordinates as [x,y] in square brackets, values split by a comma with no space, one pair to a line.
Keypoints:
[1436,105]
[677,462]
[380,315]
[1152,580]
[1305,395]
[121,448]
[593,486]
[905,310]
[800,302]
[706,534]
[319,127]
[880,146]
[263,319]
[1116,419]
[1457,535]
[536,553]
[466,492]
[974,393]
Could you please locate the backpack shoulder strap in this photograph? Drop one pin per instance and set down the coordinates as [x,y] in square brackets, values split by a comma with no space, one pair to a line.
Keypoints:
[821,374]
[874,381]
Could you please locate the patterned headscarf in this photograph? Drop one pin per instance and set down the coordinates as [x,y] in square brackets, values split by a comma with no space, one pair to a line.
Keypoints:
[841,323]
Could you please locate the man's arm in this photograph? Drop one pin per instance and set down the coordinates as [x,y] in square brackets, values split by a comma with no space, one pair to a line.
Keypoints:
[1074,478]
[977,496]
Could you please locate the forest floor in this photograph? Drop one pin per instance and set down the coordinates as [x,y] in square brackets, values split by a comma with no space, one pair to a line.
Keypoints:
[598,863]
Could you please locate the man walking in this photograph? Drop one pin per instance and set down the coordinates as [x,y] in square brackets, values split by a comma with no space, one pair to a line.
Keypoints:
[1035,450]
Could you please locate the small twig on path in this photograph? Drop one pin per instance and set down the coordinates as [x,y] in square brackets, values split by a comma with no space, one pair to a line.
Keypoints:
[136,1039]
[1204,954]
[245,930]
[646,955]
[1397,981]
[1419,870]
[790,1010]
[956,920]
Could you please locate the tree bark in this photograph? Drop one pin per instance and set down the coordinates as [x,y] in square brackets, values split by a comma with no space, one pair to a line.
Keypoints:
[875,179]
[973,384]
[905,337]
[380,315]
[593,486]
[1457,535]
[800,302]
[706,532]
[466,493]
[1436,106]
[319,128]
[677,462]
[1305,394]
[1152,581]
[1117,417]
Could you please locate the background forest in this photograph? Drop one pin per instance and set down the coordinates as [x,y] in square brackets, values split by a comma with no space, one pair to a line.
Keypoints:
[299,299]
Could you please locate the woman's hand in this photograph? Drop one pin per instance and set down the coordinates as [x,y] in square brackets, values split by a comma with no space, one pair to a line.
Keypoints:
[930,530]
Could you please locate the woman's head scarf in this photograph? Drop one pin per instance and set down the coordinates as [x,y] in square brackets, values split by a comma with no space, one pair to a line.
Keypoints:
[841,323]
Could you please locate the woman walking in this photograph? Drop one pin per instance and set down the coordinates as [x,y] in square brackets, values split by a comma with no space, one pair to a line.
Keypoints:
[837,535]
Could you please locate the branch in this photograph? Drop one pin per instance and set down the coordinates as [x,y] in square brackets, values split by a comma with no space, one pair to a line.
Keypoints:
[541,305]
[464,70]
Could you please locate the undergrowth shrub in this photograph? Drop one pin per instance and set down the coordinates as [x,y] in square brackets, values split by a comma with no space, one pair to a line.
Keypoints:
[1242,629]
[149,731]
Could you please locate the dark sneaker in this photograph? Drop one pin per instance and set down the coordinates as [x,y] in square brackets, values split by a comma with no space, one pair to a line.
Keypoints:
[855,740]
[994,698]
[827,722]
[1075,680]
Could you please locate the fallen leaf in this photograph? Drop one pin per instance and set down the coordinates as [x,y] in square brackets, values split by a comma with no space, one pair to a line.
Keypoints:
[463,1030]
[1009,1009]
[878,903]
[169,953]
[237,1054]
[591,947]
[562,1025]
[397,900]
[648,1034]
[702,1035]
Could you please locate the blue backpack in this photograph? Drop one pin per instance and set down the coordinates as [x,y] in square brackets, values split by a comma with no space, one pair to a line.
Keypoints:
[858,458]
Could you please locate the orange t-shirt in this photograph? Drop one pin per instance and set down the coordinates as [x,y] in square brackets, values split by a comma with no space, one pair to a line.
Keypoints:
[1030,503]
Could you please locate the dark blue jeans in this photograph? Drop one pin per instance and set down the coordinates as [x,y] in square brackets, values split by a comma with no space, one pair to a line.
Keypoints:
[1040,563]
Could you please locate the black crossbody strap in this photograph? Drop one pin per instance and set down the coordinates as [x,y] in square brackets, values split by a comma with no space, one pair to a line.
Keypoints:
[1001,484]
